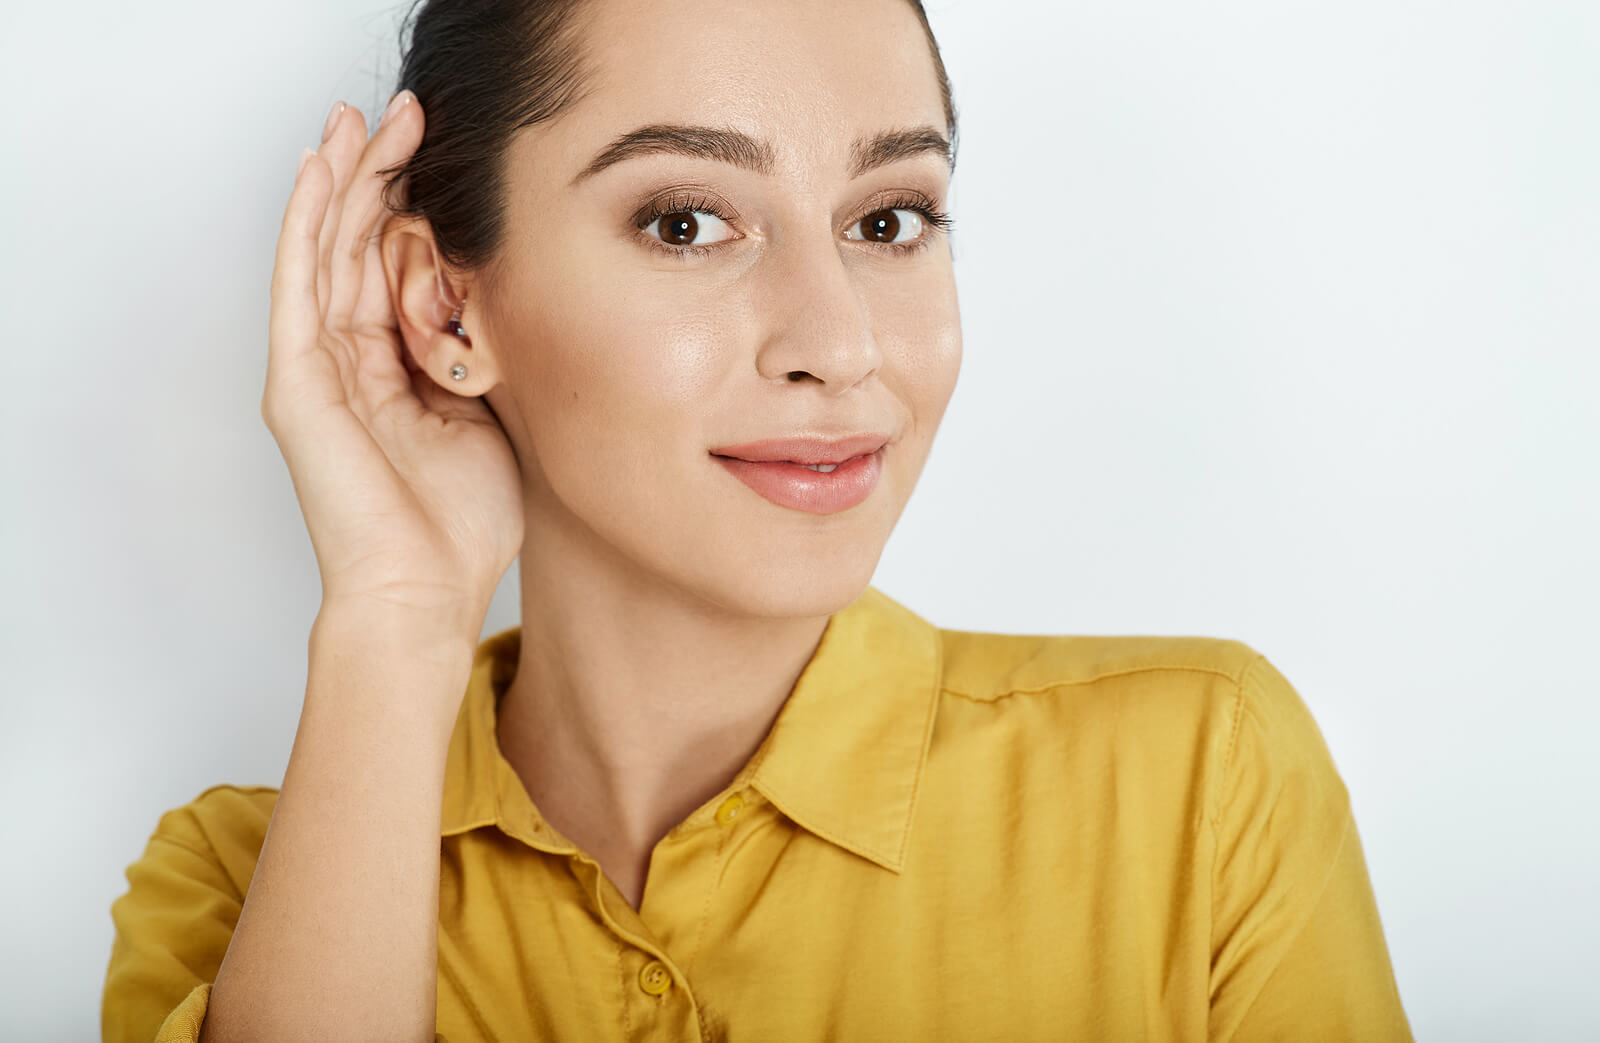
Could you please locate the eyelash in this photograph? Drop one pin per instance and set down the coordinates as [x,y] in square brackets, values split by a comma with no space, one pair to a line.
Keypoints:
[936,221]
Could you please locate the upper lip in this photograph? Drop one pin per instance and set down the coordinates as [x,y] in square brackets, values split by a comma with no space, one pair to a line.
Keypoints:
[806,450]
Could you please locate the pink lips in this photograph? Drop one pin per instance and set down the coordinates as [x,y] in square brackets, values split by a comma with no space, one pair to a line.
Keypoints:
[776,470]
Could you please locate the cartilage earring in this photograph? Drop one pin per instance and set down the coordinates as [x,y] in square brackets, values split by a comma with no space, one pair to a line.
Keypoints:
[454,323]
[458,371]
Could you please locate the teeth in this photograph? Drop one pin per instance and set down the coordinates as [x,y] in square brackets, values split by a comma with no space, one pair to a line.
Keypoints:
[824,468]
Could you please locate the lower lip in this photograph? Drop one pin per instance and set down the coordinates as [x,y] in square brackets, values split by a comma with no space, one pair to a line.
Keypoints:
[815,492]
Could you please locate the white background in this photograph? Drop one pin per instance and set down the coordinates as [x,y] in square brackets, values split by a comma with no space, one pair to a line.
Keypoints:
[1280,325]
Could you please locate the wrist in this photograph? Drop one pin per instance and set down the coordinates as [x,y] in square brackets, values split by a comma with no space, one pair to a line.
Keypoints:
[448,636]
[439,618]
[393,667]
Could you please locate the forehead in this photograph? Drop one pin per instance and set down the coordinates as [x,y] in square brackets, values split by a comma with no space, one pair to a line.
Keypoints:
[809,76]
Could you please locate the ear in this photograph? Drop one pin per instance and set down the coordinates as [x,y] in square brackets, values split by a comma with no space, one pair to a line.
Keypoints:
[424,300]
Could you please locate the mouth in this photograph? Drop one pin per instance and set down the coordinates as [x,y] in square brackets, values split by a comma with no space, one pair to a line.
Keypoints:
[806,452]
[827,487]
[827,468]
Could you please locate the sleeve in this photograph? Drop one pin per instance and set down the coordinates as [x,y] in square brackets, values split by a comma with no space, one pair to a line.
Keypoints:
[1297,950]
[172,929]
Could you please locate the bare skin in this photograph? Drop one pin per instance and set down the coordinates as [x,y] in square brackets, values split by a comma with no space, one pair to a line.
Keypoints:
[409,496]
[667,610]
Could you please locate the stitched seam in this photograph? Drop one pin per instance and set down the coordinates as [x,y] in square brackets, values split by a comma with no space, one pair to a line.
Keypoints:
[705,908]
[803,811]
[997,696]
[1214,813]
[1233,743]
[922,757]
[627,996]
[457,828]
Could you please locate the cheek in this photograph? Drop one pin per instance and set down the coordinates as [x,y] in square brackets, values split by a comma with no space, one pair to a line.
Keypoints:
[919,331]
[622,370]
[936,366]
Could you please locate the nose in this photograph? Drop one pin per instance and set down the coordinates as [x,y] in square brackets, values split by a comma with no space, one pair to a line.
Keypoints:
[818,325]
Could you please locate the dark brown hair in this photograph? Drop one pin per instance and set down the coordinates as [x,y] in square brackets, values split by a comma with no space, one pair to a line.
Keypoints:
[482,70]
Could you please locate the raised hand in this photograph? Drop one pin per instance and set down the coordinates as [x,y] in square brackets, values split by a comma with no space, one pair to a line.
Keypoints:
[410,492]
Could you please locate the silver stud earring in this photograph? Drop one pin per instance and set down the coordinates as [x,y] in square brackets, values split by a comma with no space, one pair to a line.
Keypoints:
[458,371]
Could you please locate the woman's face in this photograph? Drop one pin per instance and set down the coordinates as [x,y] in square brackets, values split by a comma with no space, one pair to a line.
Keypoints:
[760,306]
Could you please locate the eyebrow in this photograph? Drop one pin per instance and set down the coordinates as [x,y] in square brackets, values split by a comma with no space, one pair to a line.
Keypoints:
[740,149]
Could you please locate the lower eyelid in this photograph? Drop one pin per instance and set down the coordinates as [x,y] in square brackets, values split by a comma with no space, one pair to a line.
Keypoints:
[683,252]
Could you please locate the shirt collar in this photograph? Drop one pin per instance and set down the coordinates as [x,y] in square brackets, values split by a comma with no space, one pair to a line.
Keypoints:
[843,759]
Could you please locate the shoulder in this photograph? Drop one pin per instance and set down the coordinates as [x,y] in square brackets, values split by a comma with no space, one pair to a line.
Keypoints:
[1212,710]
[1205,702]
[224,823]
[1163,708]
[1223,683]
[988,666]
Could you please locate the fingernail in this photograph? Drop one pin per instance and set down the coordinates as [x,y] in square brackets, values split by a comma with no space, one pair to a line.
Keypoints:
[395,104]
[305,157]
[333,119]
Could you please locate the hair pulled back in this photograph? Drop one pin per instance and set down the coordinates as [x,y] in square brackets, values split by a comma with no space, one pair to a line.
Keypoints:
[483,70]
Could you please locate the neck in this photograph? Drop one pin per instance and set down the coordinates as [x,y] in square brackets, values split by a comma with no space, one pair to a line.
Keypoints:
[635,701]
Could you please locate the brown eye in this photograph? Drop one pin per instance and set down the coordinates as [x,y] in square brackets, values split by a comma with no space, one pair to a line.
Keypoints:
[898,225]
[881,227]
[679,229]
[684,228]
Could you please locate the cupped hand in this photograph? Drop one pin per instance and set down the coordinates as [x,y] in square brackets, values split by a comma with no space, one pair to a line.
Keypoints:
[410,491]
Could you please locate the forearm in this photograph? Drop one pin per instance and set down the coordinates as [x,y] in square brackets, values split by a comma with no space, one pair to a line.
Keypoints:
[338,934]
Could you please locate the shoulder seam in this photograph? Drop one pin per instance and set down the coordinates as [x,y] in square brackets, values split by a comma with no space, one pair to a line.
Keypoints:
[1233,736]
[1152,668]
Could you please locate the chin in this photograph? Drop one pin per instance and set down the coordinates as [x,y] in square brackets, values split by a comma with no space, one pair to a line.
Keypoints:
[783,582]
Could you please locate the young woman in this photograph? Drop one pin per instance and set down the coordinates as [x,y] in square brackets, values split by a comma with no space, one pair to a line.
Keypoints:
[659,297]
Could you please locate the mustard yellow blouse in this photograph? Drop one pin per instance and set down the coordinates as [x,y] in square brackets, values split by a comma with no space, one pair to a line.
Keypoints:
[947,835]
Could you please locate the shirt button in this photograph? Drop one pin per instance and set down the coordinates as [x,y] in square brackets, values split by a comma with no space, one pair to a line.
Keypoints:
[730,809]
[654,978]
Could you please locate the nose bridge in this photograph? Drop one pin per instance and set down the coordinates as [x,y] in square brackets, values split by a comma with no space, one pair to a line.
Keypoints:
[818,324]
